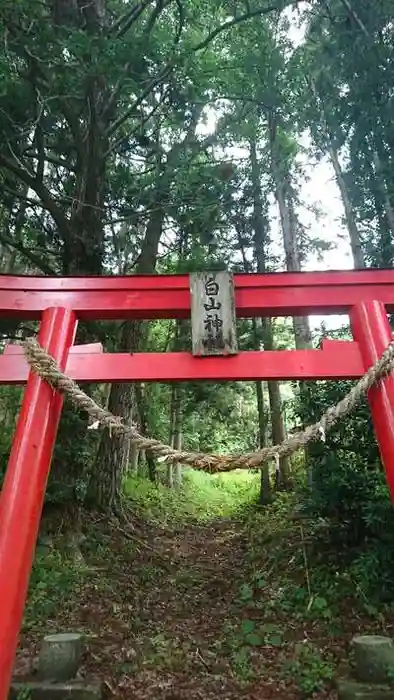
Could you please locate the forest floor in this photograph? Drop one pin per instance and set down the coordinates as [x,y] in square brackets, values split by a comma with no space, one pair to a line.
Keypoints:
[191,611]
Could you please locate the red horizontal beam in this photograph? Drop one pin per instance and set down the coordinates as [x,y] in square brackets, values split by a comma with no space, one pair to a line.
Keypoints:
[168,296]
[140,282]
[336,360]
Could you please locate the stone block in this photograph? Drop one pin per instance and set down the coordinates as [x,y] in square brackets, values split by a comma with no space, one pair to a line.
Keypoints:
[354,690]
[60,657]
[374,658]
[45,690]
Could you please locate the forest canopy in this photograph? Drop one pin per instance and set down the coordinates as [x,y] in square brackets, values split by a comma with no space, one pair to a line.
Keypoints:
[174,136]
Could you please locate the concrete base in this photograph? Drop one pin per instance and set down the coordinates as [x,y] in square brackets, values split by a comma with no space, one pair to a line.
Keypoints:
[354,690]
[45,690]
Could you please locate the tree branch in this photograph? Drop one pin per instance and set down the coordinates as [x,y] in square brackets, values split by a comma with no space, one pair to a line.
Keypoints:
[42,192]
[36,260]
[280,5]
[72,120]
[352,12]
[20,195]
[132,17]
[143,120]
[59,162]
[129,112]
[39,141]
[162,5]
[123,24]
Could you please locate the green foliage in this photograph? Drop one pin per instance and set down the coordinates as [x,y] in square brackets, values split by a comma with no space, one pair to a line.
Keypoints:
[340,76]
[154,142]
[215,418]
[240,663]
[54,582]
[70,465]
[350,492]
[310,669]
[24,693]
[166,652]
[153,182]
[239,650]
[203,497]
[116,158]
[259,635]
[10,398]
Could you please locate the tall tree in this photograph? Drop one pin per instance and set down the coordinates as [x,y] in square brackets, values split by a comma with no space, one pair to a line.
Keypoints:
[260,247]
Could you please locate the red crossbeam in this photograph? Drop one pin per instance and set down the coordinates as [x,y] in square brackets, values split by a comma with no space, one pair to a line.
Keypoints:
[168,296]
[335,360]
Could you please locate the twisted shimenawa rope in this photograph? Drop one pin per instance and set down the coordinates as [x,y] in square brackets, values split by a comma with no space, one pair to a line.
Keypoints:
[46,367]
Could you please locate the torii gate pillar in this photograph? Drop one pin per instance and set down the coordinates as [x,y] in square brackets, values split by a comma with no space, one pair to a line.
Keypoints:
[22,495]
[371,330]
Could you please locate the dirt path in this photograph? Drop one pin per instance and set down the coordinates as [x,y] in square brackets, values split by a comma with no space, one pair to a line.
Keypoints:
[161,618]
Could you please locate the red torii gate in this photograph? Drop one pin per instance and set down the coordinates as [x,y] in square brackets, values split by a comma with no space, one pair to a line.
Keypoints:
[59,303]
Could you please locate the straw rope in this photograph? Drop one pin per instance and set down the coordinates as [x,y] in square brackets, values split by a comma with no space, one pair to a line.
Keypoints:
[46,367]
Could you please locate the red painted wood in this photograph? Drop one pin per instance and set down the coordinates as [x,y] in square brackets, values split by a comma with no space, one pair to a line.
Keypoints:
[337,360]
[24,486]
[372,331]
[149,297]
[154,297]
[159,282]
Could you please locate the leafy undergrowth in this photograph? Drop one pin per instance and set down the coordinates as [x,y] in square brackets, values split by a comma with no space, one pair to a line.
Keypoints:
[203,497]
[228,609]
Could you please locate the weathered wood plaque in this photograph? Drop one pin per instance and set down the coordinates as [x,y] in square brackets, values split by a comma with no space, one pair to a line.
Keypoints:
[213,314]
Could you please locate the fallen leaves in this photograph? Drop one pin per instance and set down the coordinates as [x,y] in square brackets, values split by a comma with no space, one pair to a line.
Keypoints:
[174,631]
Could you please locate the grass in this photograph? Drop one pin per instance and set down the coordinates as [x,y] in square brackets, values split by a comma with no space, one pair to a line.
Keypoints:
[54,583]
[203,497]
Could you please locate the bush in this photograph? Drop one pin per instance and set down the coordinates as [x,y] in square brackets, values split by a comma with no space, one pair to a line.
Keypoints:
[350,492]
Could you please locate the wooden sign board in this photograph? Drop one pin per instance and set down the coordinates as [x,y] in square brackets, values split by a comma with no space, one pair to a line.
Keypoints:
[213,314]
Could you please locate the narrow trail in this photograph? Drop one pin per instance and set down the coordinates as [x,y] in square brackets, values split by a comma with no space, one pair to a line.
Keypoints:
[185,611]
[158,617]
